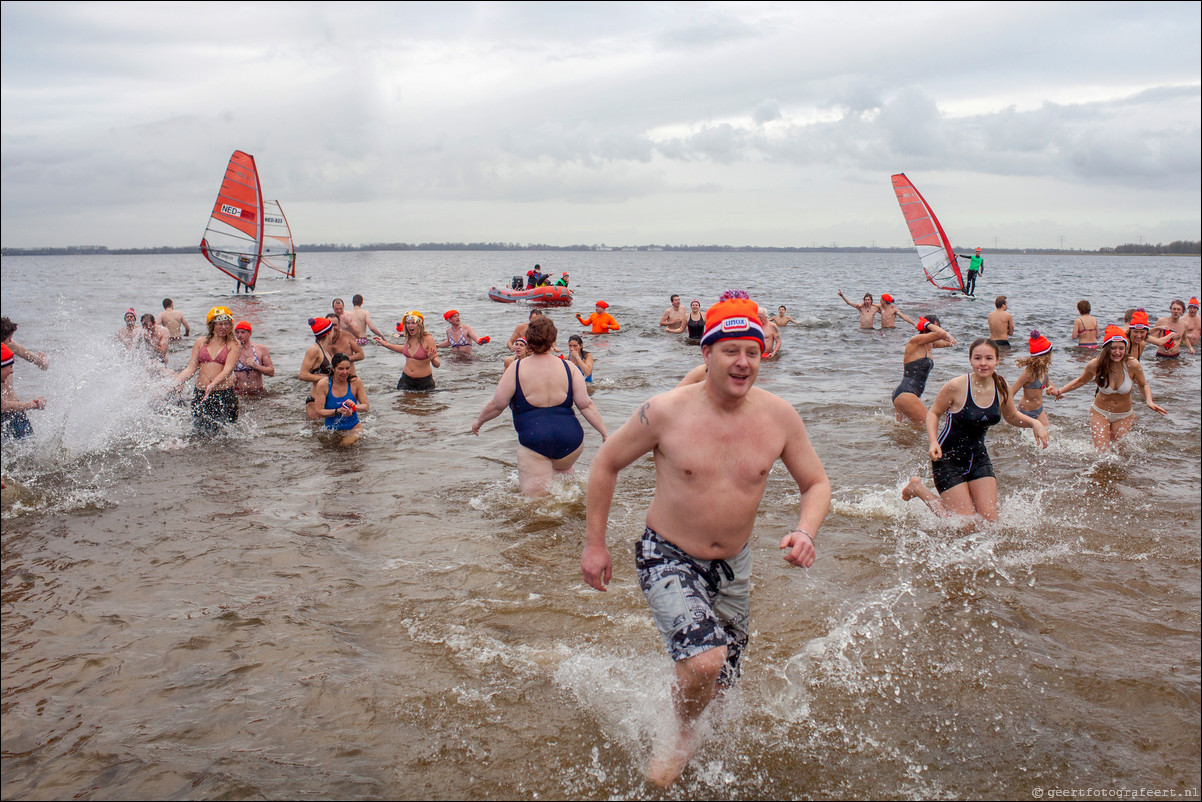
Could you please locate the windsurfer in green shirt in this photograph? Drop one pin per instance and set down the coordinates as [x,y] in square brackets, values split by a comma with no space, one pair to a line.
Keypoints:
[974,268]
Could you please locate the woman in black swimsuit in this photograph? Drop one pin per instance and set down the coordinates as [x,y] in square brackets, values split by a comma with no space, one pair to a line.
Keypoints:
[959,461]
[316,364]
[695,321]
[916,366]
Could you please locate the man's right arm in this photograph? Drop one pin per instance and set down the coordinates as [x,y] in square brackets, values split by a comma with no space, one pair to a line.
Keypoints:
[636,437]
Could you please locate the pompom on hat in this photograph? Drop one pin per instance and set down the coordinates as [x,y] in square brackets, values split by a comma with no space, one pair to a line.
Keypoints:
[217,313]
[1114,333]
[1139,319]
[321,326]
[733,319]
[243,326]
[1039,344]
[6,356]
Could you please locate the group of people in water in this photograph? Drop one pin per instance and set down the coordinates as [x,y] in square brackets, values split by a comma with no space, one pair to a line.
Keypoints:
[968,405]
[714,438]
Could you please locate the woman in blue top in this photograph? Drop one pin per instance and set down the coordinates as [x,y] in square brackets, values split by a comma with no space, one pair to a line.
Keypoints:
[580,357]
[342,397]
[540,389]
[959,461]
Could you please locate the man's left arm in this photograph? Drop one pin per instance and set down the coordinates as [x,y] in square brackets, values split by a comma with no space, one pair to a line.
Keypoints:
[804,465]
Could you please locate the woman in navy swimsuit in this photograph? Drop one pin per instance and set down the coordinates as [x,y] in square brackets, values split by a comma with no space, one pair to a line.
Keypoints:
[540,389]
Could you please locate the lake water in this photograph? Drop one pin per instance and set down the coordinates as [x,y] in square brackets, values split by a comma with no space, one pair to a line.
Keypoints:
[265,615]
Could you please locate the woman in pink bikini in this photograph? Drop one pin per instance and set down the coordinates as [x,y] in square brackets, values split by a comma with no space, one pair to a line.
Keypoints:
[213,360]
[420,352]
[1117,374]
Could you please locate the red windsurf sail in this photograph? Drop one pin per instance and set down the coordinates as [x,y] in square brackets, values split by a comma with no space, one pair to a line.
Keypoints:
[934,251]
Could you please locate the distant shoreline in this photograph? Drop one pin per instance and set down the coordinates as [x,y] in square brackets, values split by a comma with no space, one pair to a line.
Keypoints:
[1180,248]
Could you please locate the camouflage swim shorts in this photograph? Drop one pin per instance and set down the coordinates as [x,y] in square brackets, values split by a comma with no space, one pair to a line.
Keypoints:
[697,604]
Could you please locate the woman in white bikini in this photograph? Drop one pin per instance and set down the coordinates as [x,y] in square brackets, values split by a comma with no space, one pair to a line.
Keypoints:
[1117,373]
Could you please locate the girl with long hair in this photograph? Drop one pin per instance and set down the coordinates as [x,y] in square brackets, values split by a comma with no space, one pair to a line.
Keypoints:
[1033,379]
[214,357]
[1117,374]
[343,397]
[960,462]
[420,352]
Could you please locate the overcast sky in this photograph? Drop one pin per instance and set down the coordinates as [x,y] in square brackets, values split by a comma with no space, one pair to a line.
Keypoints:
[1024,125]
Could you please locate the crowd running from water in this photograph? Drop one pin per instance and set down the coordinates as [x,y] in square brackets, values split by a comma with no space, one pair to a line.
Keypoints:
[714,437]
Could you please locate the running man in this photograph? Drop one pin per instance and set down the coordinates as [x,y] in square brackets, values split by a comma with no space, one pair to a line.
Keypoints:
[714,444]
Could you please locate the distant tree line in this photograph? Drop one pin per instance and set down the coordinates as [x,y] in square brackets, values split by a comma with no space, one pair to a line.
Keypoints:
[1175,248]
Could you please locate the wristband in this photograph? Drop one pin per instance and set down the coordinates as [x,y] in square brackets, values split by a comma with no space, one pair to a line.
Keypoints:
[804,532]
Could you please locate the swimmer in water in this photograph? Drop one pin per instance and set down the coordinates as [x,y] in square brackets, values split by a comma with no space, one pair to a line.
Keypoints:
[343,398]
[14,422]
[581,358]
[1117,375]
[695,322]
[890,313]
[1034,379]
[916,367]
[520,350]
[960,462]
[673,318]
[1085,327]
[317,360]
[460,338]
[601,320]
[541,390]
[867,309]
[213,400]
[173,320]
[1175,328]
[420,352]
[254,362]
[781,318]
[1001,322]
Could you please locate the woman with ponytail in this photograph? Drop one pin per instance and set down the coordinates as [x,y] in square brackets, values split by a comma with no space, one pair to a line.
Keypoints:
[959,461]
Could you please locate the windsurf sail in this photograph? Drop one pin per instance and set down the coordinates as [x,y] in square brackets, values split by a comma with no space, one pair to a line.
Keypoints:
[934,251]
[278,251]
[233,240]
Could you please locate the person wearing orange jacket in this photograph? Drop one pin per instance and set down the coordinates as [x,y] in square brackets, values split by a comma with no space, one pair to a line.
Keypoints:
[601,321]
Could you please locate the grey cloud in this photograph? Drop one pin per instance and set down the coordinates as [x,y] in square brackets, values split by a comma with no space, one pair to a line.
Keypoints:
[766,112]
